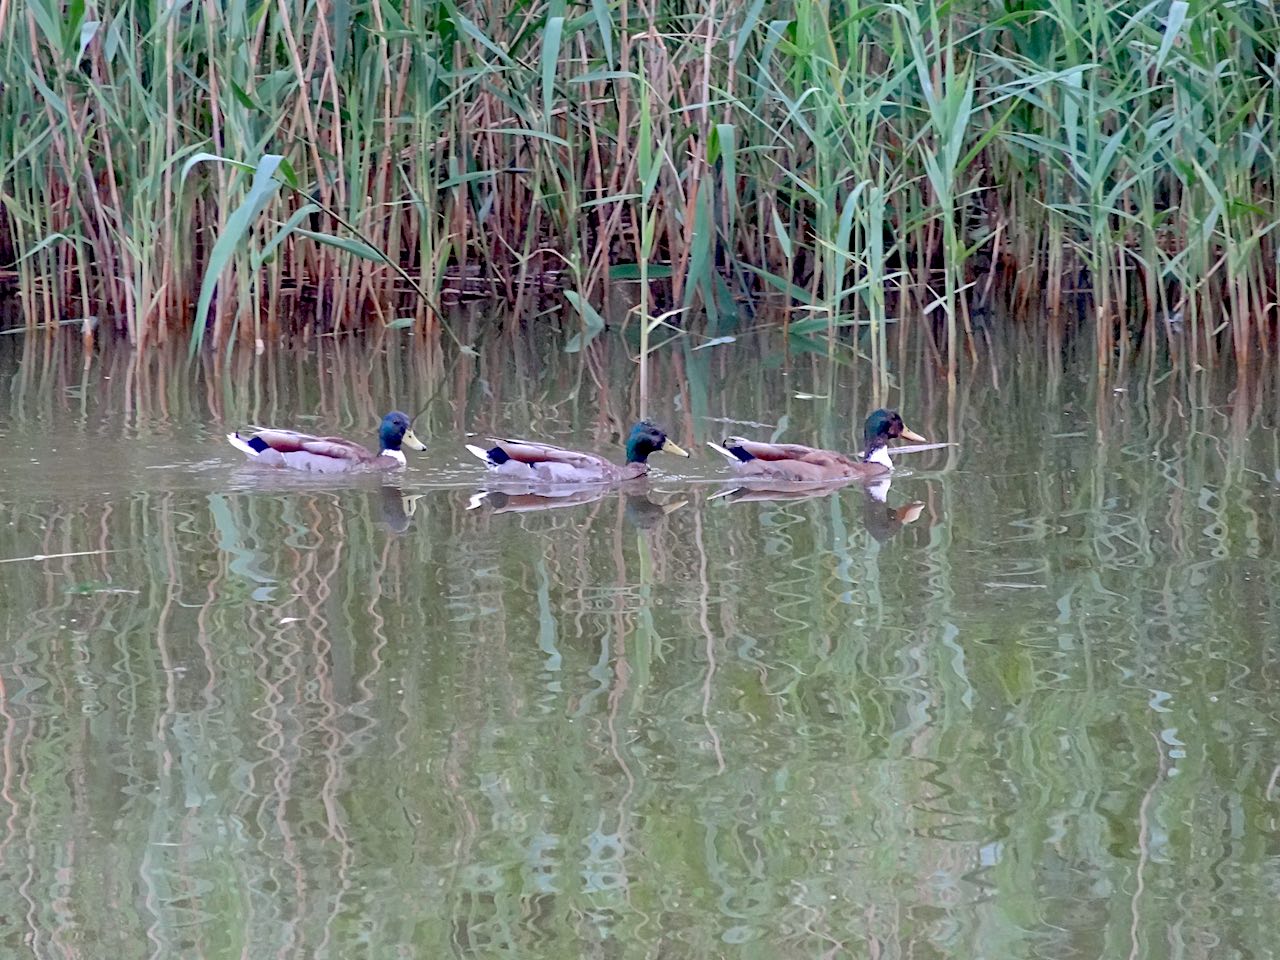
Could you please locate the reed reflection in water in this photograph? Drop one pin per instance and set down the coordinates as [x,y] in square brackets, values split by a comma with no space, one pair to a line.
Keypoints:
[1023,707]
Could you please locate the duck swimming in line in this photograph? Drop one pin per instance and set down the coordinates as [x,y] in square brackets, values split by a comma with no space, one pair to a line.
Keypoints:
[796,462]
[301,451]
[528,460]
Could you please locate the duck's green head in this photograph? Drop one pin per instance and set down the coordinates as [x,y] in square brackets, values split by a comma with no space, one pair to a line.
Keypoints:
[883,426]
[395,431]
[645,439]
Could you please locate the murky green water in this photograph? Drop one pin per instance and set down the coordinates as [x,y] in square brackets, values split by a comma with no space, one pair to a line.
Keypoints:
[248,716]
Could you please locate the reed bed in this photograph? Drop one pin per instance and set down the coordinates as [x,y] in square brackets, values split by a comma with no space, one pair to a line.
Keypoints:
[244,171]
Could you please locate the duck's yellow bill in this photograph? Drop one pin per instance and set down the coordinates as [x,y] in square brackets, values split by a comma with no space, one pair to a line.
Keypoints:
[912,435]
[412,442]
[670,446]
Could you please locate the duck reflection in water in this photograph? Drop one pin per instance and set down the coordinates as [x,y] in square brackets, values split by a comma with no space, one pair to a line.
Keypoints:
[881,520]
[760,490]
[640,510]
[646,514]
[394,507]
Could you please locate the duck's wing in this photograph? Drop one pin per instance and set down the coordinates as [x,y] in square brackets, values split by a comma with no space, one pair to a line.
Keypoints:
[793,461]
[796,469]
[279,439]
[531,451]
[760,450]
[291,441]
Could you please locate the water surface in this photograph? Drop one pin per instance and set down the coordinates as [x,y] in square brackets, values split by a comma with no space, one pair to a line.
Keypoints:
[1025,707]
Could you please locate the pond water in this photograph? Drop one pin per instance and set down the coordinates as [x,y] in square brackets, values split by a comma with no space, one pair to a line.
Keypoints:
[1027,706]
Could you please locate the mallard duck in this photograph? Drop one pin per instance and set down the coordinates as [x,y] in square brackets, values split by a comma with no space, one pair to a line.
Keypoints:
[792,461]
[301,451]
[528,460]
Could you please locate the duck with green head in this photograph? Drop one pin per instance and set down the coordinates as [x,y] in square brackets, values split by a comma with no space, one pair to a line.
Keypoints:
[796,462]
[291,450]
[531,462]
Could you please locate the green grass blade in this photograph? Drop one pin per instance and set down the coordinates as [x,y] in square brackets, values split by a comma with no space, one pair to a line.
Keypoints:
[592,323]
[550,63]
[239,224]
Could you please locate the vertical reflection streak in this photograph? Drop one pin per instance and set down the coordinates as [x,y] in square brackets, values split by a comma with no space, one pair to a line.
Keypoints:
[709,642]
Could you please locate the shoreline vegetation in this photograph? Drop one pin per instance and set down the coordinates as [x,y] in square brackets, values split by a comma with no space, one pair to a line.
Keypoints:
[247,172]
